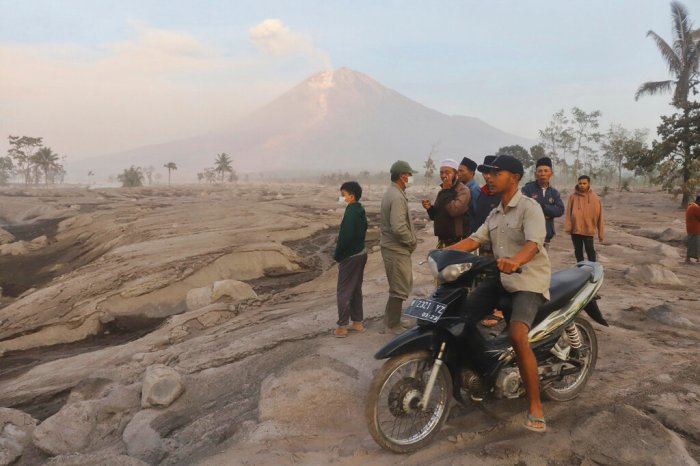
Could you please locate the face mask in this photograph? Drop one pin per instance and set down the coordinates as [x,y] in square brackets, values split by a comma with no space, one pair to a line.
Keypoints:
[341,200]
[410,181]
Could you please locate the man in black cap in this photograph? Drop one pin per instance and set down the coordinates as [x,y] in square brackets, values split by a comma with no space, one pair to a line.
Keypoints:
[515,229]
[465,173]
[548,197]
[488,199]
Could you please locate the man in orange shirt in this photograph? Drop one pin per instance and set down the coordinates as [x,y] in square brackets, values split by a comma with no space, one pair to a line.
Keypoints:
[692,227]
[584,218]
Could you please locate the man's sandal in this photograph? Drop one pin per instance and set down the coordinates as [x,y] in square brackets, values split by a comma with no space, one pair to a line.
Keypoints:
[491,321]
[530,421]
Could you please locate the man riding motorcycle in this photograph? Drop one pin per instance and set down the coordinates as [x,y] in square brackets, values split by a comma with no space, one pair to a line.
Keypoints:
[516,231]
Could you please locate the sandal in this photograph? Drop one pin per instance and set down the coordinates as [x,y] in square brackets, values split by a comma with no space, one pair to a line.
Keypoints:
[530,421]
[492,320]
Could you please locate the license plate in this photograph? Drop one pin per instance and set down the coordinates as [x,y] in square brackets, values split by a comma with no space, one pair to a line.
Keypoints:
[425,309]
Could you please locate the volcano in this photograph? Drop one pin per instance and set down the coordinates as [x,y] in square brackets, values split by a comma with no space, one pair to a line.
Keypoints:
[334,120]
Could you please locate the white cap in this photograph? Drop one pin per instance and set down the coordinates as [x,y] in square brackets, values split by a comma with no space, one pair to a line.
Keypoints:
[451,163]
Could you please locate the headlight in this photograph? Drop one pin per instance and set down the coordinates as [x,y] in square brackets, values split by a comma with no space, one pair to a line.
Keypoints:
[454,271]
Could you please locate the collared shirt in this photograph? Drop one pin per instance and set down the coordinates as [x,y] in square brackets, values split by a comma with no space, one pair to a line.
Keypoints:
[508,229]
[396,226]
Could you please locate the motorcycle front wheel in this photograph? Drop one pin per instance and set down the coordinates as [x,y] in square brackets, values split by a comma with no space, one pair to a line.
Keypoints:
[395,419]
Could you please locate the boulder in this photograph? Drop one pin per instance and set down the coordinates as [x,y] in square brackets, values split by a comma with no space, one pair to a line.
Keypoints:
[672,234]
[141,440]
[664,250]
[651,274]
[231,291]
[198,298]
[667,316]
[67,431]
[161,386]
[16,429]
[643,440]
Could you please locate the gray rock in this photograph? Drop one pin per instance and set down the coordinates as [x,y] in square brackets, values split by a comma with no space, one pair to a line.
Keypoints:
[642,441]
[142,441]
[161,386]
[651,274]
[665,250]
[16,429]
[667,316]
[231,291]
[67,431]
[672,234]
[198,298]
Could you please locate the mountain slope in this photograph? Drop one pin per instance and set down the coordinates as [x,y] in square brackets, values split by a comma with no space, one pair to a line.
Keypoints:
[339,119]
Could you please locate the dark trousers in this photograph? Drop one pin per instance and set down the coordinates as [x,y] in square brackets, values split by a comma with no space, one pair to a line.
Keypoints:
[488,295]
[350,273]
[580,242]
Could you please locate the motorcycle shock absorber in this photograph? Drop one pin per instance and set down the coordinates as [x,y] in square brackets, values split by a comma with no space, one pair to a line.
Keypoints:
[573,335]
[431,380]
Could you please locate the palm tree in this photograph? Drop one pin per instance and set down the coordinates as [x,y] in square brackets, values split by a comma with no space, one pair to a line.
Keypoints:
[222,164]
[45,159]
[681,57]
[170,166]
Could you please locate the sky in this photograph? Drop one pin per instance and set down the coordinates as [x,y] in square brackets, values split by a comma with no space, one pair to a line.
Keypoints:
[98,77]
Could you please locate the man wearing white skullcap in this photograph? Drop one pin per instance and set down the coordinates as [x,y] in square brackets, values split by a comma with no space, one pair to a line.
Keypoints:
[449,213]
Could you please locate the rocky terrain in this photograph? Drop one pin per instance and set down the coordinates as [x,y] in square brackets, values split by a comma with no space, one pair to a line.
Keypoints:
[191,325]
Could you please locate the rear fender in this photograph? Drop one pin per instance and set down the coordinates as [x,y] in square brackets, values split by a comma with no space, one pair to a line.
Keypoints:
[414,339]
[593,311]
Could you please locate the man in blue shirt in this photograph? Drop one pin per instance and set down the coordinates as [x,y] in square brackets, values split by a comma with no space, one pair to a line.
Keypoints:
[548,197]
[465,173]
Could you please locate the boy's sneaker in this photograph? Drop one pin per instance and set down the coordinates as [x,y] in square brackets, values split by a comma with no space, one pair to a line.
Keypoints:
[340,332]
[357,327]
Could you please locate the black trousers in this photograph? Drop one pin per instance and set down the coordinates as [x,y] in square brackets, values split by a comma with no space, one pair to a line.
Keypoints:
[580,242]
[350,274]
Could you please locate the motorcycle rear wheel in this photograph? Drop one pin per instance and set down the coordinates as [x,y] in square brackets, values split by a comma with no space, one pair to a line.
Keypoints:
[394,418]
[571,386]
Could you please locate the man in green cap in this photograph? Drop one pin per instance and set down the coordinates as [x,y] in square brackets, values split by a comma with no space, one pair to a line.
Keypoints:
[397,241]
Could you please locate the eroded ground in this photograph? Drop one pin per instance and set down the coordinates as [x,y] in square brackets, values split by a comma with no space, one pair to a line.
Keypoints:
[101,297]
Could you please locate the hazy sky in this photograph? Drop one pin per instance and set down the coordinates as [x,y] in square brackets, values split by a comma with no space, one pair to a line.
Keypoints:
[95,77]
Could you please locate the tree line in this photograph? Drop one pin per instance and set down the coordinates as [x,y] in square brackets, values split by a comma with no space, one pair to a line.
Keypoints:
[31,161]
[223,167]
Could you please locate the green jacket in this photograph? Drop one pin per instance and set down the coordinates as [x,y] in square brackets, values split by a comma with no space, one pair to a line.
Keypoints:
[397,231]
[353,228]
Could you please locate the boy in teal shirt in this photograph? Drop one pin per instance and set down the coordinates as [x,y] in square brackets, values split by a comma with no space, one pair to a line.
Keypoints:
[351,255]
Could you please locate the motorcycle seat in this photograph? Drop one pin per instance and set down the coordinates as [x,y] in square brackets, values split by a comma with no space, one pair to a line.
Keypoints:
[563,286]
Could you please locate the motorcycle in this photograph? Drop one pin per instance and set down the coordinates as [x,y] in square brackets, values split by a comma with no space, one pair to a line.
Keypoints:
[445,355]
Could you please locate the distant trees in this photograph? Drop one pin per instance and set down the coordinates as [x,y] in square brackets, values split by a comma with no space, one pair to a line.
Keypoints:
[519,152]
[46,160]
[576,135]
[429,164]
[170,166]
[622,147]
[681,57]
[131,177]
[675,158]
[28,158]
[222,165]
[584,131]
[6,169]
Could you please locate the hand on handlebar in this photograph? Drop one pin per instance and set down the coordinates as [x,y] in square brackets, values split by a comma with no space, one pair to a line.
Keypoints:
[507,265]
